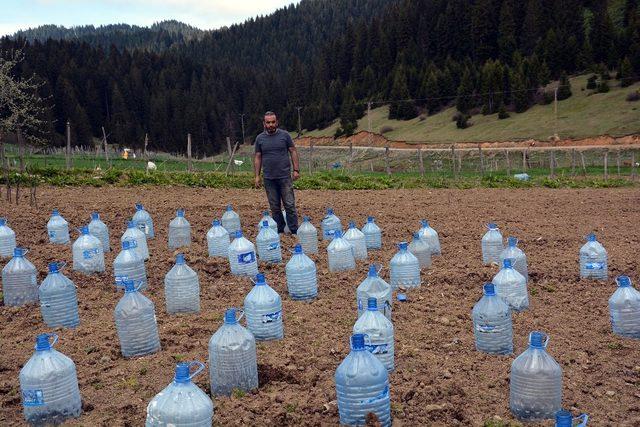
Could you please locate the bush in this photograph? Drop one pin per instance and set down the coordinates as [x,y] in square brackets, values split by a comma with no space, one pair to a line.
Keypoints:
[546,97]
[592,82]
[386,129]
[633,96]
[462,121]
[502,113]
[603,87]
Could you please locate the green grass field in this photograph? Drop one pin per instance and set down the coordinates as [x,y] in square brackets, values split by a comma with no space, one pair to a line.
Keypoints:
[582,115]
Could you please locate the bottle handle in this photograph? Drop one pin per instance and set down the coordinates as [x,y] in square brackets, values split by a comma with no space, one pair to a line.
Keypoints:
[140,283]
[200,367]
[582,419]
[61,265]
[238,310]
[55,339]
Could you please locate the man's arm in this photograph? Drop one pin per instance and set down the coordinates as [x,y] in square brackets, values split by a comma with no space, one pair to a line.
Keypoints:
[257,165]
[296,163]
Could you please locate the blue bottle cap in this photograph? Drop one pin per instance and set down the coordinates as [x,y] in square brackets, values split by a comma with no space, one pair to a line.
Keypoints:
[3,221]
[513,241]
[306,218]
[536,339]
[623,281]
[265,213]
[129,285]
[55,212]
[230,316]
[372,304]
[507,263]
[126,244]
[416,235]
[95,215]
[139,207]
[492,226]
[84,230]
[373,272]
[329,211]
[357,342]
[425,223]
[564,419]
[18,252]
[371,219]
[238,234]
[337,234]
[260,279]
[401,297]
[131,224]
[180,213]
[402,246]
[352,224]
[297,249]
[43,343]
[53,267]
[229,208]
[591,237]
[265,224]
[489,289]
[182,373]
[215,222]
[180,259]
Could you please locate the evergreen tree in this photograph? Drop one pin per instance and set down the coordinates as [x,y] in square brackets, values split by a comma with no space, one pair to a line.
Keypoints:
[564,87]
[465,101]
[400,109]
[520,93]
[625,73]
[507,42]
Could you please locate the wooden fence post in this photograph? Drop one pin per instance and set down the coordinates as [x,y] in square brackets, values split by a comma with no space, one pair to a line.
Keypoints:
[386,160]
[453,161]
[584,165]
[350,154]
[20,148]
[524,160]
[552,163]
[633,165]
[618,161]
[506,155]
[68,151]
[310,156]
[481,160]
[189,164]
[573,162]
[421,161]
[146,142]
[606,164]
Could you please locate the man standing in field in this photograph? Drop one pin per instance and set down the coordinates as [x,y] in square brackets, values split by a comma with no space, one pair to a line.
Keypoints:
[273,147]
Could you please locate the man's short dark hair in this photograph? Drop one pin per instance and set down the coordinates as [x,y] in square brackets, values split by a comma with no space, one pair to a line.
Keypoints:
[270,113]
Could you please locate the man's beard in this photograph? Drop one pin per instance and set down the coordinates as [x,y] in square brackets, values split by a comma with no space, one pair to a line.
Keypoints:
[271,131]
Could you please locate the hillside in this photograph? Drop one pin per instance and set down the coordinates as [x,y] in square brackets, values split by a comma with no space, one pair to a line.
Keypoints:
[582,115]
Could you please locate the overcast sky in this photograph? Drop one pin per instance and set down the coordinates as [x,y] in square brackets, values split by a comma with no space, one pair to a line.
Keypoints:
[205,14]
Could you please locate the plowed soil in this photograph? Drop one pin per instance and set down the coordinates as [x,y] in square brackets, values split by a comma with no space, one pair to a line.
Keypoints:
[439,379]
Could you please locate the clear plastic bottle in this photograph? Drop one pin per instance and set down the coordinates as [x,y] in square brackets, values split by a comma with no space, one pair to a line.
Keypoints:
[7,239]
[357,240]
[362,386]
[536,382]
[270,221]
[231,221]
[308,236]
[182,288]
[58,299]
[431,237]
[511,286]
[268,243]
[263,308]
[330,224]
[242,257]
[405,268]
[593,260]
[232,357]
[19,280]
[372,234]
[49,385]
[129,265]
[179,231]
[517,256]
[100,230]
[142,219]
[340,254]
[421,249]
[379,330]
[135,317]
[492,325]
[624,308]
[134,234]
[302,280]
[565,419]
[182,403]
[58,229]
[88,255]
[374,286]
[218,240]
[492,245]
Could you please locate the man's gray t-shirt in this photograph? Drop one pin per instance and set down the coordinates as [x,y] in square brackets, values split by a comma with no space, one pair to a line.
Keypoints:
[275,153]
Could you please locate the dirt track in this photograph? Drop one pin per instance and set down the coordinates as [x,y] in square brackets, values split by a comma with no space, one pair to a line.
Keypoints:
[439,380]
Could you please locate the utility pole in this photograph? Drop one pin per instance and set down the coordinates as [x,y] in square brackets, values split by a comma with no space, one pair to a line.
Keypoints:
[299,122]
[242,121]
[369,122]
[555,112]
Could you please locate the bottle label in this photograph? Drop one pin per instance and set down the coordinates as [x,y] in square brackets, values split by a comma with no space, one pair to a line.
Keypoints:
[32,397]
[384,394]
[271,317]
[52,234]
[594,266]
[378,348]
[120,279]
[133,243]
[485,328]
[329,232]
[273,246]
[89,253]
[247,257]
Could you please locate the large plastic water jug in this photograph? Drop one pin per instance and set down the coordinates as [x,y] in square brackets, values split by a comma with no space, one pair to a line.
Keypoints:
[421,249]
[218,240]
[134,234]
[231,221]
[357,240]
[268,243]
[232,357]
[302,281]
[142,219]
[372,234]
[517,256]
[58,299]
[511,286]
[593,260]
[58,229]
[340,254]
[431,236]
[374,286]
[270,221]
[308,236]
[565,419]
[129,265]
[624,308]
[242,257]
[49,385]
[88,255]
[19,280]
[100,230]
[362,386]
[7,239]
[492,245]
[182,288]
[182,403]
[330,224]
[536,382]
[135,317]
[179,231]
[492,325]
[405,268]
[263,308]
[379,331]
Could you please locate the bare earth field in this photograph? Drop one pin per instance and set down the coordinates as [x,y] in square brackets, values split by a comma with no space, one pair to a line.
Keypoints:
[439,379]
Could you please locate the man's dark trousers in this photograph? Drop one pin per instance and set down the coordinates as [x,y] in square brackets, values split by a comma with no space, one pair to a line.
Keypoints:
[280,192]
